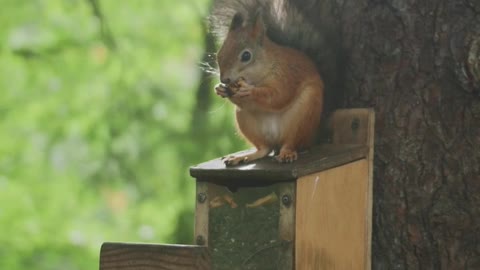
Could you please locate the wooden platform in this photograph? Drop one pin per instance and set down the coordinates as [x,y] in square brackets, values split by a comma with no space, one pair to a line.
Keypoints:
[319,158]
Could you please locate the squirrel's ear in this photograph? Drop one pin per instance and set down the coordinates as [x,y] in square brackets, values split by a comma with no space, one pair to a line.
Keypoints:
[237,21]
[258,30]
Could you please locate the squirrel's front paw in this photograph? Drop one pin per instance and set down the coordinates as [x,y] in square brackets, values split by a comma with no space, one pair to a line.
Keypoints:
[223,90]
[243,89]
[234,160]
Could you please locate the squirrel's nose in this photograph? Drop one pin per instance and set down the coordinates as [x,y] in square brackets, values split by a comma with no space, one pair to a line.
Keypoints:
[225,80]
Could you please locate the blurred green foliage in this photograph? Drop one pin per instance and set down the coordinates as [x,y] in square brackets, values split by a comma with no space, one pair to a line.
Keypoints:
[97,100]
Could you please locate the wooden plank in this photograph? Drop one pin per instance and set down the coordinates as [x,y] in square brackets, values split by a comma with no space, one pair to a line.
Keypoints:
[121,256]
[331,219]
[357,126]
[201,214]
[317,159]
[286,225]
[368,226]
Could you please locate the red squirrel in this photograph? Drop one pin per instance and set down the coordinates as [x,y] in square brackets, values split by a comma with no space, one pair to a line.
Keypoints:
[277,90]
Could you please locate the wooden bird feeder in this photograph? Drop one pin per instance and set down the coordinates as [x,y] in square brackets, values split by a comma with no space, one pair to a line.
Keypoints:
[315,213]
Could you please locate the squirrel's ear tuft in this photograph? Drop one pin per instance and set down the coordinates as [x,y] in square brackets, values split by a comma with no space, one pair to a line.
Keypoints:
[237,21]
[258,30]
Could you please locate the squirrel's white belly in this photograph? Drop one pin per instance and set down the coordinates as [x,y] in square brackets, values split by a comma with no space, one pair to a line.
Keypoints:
[270,127]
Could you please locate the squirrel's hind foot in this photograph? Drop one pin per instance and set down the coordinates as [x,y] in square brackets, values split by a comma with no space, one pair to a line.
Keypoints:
[287,156]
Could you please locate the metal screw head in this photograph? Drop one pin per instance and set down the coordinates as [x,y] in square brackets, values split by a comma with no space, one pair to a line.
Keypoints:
[286,200]
[355,124]
[200,240]
[201,197]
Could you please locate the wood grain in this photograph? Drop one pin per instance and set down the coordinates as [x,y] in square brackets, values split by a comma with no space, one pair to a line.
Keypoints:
[331,219]
[121,256]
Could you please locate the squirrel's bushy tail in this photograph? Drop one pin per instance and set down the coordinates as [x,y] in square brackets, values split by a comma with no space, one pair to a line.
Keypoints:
[286,25]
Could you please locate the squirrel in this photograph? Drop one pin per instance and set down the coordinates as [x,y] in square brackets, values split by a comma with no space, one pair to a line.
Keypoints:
[276,88]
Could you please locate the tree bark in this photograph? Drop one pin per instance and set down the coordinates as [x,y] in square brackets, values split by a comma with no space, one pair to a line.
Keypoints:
[418,64]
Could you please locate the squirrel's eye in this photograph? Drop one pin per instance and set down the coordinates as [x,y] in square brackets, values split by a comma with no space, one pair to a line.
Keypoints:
[246,55]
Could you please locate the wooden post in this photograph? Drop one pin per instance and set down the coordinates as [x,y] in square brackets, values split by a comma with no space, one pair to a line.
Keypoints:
[116,256]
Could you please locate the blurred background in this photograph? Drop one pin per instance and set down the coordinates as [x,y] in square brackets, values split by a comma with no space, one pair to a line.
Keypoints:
[104,104]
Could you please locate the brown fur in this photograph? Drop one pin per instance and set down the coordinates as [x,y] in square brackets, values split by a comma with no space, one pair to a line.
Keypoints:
[278,93]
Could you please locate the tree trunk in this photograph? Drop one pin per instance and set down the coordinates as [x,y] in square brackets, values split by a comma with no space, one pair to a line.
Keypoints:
[418,64]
